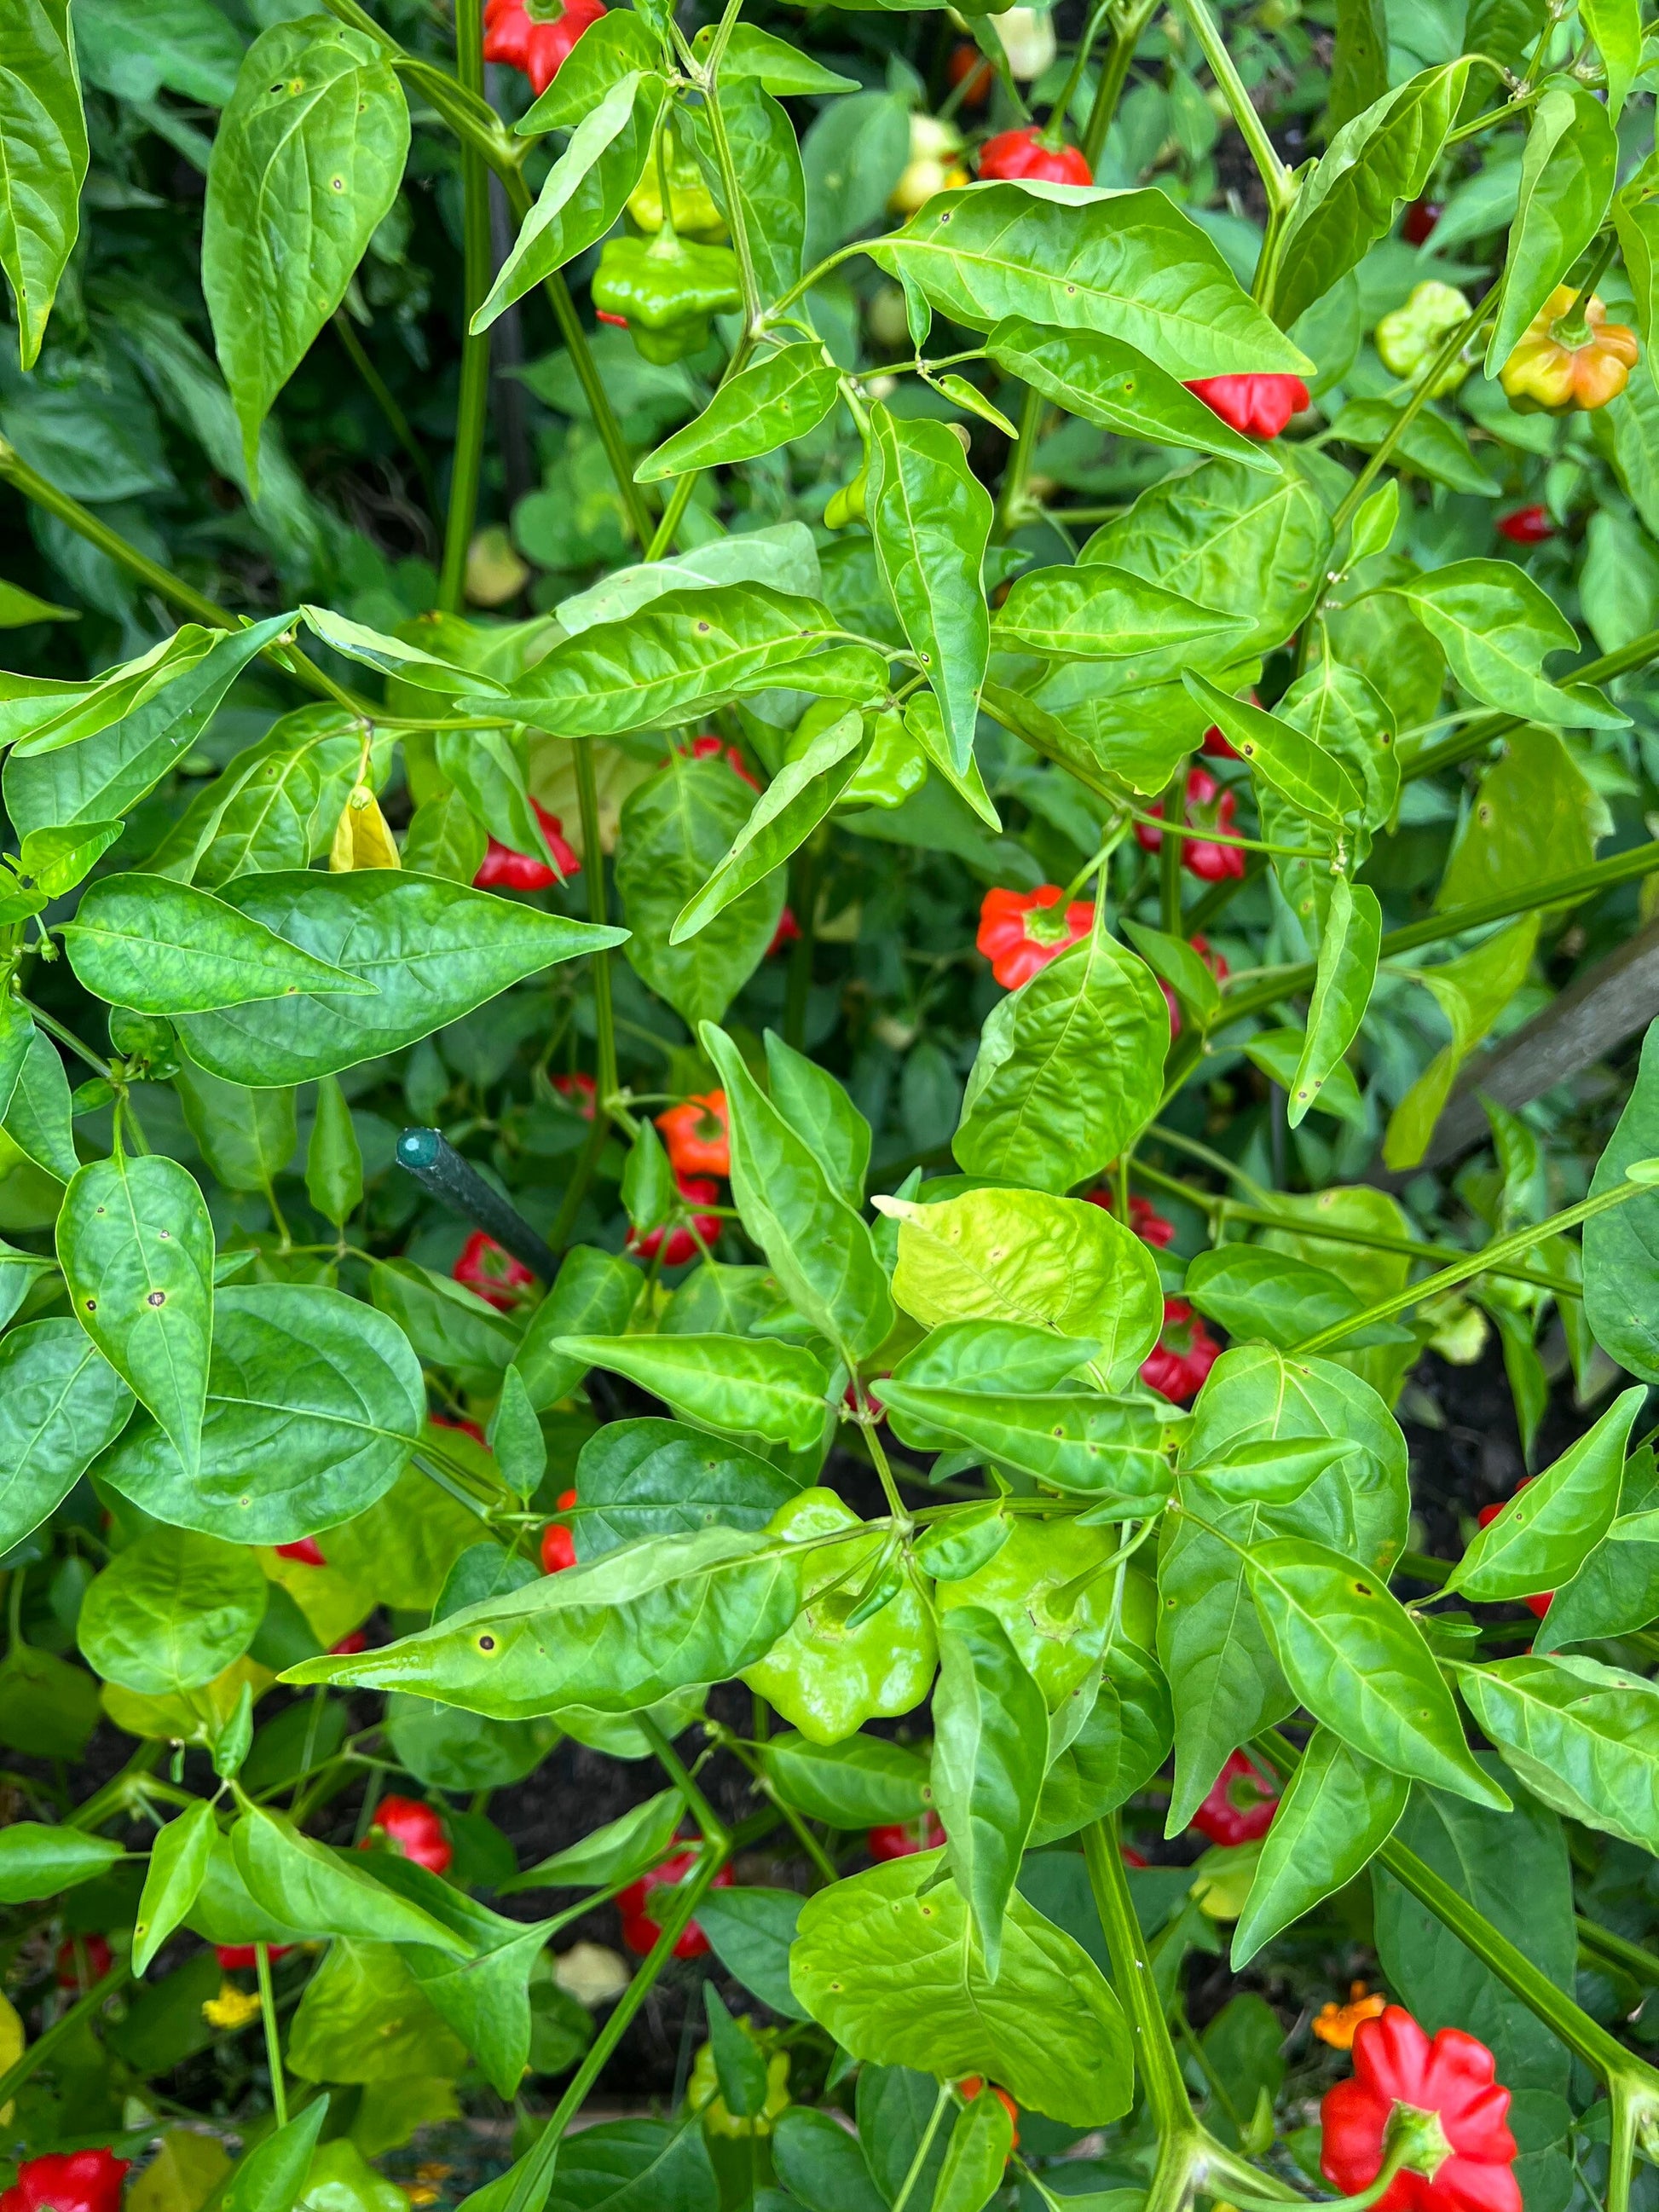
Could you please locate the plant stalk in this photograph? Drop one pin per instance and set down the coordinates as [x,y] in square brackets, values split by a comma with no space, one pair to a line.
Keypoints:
[467,467]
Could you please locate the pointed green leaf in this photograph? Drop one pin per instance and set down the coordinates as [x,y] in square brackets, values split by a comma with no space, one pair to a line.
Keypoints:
[930,519]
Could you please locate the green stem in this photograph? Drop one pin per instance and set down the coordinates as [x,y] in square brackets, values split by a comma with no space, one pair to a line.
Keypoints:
[1601,1948]
[1452,346]
[1277,180]
[1476,1263]
[119,1793]
[712,1827]
[1156,2062]
[273,2042]
[803,874]
[1169,855]
[1485,729]
[736,215]
[383,397]
[63,2028]
[1061,108]
[535,2167]
[605,1015]
[1012,501]
[941,2103]
[1114,77]
[467,467]
[54,1028]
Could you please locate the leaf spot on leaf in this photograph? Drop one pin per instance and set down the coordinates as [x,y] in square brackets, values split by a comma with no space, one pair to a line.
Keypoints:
[486,1644]
[92,1305]
[157,1298]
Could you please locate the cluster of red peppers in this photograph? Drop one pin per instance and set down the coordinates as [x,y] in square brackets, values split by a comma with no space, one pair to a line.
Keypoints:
[696,1136]
[501,869]
[641,1930]
[1209,806]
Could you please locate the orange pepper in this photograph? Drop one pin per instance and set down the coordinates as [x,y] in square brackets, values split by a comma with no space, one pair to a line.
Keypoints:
[1565,361]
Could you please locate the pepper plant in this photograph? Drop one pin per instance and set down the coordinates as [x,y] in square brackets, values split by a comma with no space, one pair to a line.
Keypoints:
[796,1109]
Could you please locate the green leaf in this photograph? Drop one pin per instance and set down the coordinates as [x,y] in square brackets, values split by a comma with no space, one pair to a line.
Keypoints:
[1255,1292]
[1119,1747]
[634,1841]
[19,608]
[1046,2028]
[780,66]
[629,2165]
[1053,1587]
[275,807]
[751,1929]
[817,1107]
[1428,443]
[37,1860]
[1111,384]
[516,1439]
[186,45]
[1127,264]
[585,191]
[432,949]
[1471,992]
[1360,1664]
[766,158]
[1097,612]
[1534,817]
[1547,1531]
[166,948]
[784,395]
[617,1635]
[1359,66]
[1567,176]
[687,650]
[1106,1448]
[313,1402]
[593,1294]
[979,2149]
[334,1160]
[446,838]
[1022,1255]
[394,656]
[821,2164]
[820,1249]
[730,1383]
[171,1611]
[930,519]
[782,819]
[862,1782]
[1582,1737]
[1378,160]
[55,860]
[1616,28]
[990,1749]
[60,1403]
[853,156]
[1621,1247]
[270,2177]
[1496,627]
[43,162]
[307,161]
[178,1862]
[1347,972]
[135,1246]
[1069,1069]
[1296,766]
[623,42]
[1617,1589]
[1338,1812]
[309,1885]
[38,1120]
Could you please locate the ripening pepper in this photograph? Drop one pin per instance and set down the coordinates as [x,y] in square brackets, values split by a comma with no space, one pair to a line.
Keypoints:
[1569,358]
[307,1551]
[413,1830]
[558,1546]
[536,36]
[639,1931]
[786,933]
[1032,155]
[1209,806]
[934,166]
[1337,2025]
[1241,1805]
[709,747]
[666,290]
[697,1134]
[1420,218]
[501,869]
[1145,1219]
[1048,1587]
[492,1274]
[79,1965]
[691,206]
[1445,2096]
[578,1092]
[1539,1602]
[1260,406]
[969,2086]
[1408,339]
[1183,1355]
[234,1957]
[1019,932]
[969,68]
[826,1678]
[72,2181]
[703,2091]
[677,1242]
[902,1839]
[1527,525]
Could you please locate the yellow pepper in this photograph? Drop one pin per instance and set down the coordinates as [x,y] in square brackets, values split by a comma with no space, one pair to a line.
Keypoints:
[1568,359]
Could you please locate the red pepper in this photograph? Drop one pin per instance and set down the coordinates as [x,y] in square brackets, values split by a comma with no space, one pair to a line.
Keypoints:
[536,36]
[970,2087]
[1018,934]
[902,1839]
[1421,217]
[788,931]
[1147,1223]
[677,1244]
[1527,526]
[1241,1805]
[99,1960]
[76,2181]
[558,1545]
[579,1090]
[467,1428]
[1131,1857]
[1183,1355]
[502,869]
[1260,406]
[1446,2092]
[967,63]
[639,1931]
[1539,1602]
[306,1550]
[1024,155]
[496,1275]
[707,746]
[348,1644]
[1208,807]
[412,1829]
[697,1134]
[231,1956]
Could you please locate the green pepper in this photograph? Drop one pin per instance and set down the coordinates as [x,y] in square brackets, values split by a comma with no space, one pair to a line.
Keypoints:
[690,203]
[847,505]
[826,1678]
[666,290]
[1409,338]
[1051,1591]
